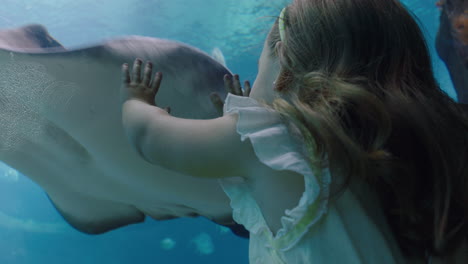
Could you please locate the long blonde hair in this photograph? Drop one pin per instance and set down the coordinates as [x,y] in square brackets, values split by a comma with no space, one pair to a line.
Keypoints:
[357,81]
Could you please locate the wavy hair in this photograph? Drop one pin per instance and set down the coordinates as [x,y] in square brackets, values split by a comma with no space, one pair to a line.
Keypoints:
[357,81]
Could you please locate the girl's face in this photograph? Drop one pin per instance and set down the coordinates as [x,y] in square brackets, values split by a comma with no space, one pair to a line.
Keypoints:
[457,12]
[268,71]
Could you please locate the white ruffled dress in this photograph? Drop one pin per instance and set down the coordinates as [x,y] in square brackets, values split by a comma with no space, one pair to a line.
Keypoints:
[352,230]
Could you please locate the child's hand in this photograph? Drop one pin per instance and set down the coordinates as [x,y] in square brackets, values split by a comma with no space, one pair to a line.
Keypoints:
[232,87]
[144,90]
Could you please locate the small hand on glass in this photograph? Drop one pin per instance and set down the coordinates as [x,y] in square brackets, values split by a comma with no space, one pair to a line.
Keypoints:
[135,88]
[232,85]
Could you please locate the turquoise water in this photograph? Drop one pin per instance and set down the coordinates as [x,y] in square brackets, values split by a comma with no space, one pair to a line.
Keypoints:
[31,231]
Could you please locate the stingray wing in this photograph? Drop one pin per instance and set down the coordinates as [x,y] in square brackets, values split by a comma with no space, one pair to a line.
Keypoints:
[28,37]
[94,216]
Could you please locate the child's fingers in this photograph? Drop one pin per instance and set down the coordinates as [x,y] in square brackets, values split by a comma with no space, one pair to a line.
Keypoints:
[228,84]
[156,82]
[136,71]
[217,102]
[247,88]
[125,74]
[147,74]
[236,86]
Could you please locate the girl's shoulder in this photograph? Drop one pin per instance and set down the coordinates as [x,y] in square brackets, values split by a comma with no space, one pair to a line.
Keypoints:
[284,181]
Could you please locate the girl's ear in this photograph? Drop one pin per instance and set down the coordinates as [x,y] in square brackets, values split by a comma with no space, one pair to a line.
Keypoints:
[278,47]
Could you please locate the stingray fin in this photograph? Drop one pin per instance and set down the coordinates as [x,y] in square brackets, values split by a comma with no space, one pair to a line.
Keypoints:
[94,216]
[218,55]
[28,37]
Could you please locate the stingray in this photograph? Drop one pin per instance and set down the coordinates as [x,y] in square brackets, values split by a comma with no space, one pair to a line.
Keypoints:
[60,117]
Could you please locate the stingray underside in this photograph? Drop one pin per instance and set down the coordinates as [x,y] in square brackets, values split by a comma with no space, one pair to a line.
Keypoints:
[86,214]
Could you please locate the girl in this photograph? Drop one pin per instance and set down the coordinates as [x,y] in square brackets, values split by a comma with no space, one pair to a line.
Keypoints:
[354,154]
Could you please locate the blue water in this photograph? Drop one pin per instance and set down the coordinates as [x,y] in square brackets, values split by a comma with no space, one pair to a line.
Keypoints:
[31,231]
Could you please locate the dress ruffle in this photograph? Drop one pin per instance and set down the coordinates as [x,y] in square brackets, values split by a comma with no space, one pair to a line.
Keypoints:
[277,148]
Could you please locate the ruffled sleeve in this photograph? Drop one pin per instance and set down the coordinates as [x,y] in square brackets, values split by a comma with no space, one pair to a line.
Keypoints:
[276,148]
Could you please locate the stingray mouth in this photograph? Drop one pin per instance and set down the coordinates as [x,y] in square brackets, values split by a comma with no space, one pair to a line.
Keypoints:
[170,217]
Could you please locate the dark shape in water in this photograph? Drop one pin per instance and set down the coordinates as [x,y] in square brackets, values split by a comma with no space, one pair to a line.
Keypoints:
[452,43]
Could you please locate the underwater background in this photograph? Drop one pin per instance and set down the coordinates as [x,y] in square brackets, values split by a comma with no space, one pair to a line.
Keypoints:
[31,231]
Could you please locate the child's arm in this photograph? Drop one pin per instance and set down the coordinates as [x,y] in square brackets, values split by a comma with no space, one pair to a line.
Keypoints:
[202,148]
